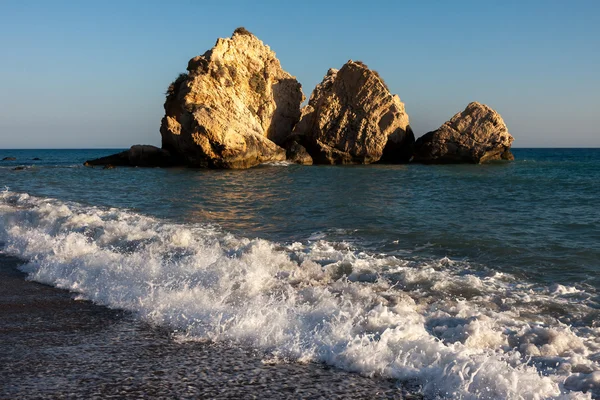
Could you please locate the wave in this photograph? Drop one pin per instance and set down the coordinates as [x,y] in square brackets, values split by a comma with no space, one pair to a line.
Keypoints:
[277,164]
[454,330]
[39,166]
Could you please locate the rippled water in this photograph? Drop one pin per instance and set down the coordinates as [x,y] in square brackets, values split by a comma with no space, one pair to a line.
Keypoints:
[476,281]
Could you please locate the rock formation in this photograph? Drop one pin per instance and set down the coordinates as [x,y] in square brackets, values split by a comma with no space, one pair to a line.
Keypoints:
[475,135]
[9,159]
[237,108]
[137,156]
[296,153]
[352,118]
[233,107]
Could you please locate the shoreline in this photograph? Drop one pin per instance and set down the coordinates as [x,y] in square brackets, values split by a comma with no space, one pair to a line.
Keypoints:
[56,347]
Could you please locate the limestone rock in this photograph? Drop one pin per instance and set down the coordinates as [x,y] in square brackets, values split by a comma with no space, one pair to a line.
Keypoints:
[475,135]
[352,118]
[297,153]
[137,156]
[233,107]
[9,159]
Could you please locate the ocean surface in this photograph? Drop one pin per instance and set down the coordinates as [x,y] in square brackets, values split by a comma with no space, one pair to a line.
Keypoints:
[460,281]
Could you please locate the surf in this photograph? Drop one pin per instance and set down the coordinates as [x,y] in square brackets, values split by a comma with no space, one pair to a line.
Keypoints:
[454,330]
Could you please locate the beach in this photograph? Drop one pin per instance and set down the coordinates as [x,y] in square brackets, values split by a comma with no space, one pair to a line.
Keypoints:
[54,346]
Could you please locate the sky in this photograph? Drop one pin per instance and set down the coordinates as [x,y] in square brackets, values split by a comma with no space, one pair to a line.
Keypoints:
[92,74]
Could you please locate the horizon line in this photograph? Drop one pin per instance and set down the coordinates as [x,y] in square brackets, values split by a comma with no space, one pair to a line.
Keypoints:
[125,148]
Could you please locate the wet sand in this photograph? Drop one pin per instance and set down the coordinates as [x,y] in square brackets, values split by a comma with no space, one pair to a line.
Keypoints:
[52,346]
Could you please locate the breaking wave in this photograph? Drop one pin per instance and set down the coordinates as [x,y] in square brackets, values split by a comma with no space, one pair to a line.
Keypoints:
[453,330]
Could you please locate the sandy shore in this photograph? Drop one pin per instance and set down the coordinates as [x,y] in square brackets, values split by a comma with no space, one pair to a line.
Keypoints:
[56,347]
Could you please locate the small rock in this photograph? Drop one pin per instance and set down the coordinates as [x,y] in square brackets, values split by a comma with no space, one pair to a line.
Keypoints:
[475,135]
[297,153]
[36,159]
[9,159]
[20,168]
[507,155]
[137,156]
[109,166]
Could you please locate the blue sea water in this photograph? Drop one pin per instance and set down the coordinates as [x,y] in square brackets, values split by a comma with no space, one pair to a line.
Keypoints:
[448,276]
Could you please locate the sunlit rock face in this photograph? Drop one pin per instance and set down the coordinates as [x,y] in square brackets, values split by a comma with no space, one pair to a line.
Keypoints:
[233,108]
[475,135]
[352,118]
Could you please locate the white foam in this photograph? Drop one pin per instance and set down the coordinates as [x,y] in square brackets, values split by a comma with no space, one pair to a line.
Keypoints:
[457,332]
[278,163]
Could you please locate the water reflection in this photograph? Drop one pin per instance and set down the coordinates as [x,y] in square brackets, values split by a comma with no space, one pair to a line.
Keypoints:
[242,201]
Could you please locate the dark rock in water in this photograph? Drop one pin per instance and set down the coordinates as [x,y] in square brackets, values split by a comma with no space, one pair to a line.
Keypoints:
[137,156]
[121,159]
[475,135]
[352,118]
[150,156]
[20,168]
[36,159]
[234,107]
[9,159]
[297,153]
[109,166]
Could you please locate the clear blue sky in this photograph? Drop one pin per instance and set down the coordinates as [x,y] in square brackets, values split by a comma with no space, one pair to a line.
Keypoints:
[94,73]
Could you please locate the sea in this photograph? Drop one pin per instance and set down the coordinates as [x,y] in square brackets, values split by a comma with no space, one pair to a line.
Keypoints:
[288,281]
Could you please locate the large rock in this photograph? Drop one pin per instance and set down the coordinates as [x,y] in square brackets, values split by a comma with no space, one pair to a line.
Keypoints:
[352,118]
[233,107]
[137,156]
[475,135]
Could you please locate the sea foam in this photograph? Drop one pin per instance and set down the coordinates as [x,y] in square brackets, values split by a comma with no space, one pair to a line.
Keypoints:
[451,329]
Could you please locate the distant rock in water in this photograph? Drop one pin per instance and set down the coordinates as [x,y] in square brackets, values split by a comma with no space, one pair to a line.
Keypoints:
[352,118]
[137,156]
[9,159]
[36,159]
[233,107]
[475,135]
[237,108]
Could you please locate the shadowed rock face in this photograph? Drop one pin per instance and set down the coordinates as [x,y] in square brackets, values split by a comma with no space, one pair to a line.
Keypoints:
[352,118]
[137,156]
[297,153]
[233,108]
[475,135]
